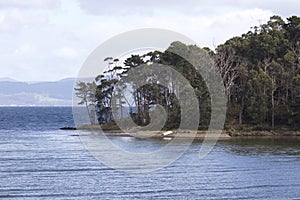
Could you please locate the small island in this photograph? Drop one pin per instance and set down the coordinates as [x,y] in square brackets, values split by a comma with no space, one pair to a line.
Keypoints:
[260,71]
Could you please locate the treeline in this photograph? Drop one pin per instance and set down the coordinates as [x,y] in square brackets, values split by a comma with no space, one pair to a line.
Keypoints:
[260,72]
[266,65]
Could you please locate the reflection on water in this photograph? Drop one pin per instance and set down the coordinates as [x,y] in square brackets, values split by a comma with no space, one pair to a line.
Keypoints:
[287,146]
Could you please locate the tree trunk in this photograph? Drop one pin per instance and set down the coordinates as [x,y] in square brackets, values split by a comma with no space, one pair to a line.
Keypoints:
[88,111]
[241,114]
[273,102]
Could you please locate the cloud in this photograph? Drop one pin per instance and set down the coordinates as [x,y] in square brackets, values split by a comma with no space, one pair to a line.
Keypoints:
[67,53]
[204,29]
[9,19]
[25,50]
[15,14]
[50,39]
[13,19]
[137,7]
[187,7]
[45,4]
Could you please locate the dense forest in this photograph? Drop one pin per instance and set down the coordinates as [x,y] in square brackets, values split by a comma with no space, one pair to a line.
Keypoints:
[260,71]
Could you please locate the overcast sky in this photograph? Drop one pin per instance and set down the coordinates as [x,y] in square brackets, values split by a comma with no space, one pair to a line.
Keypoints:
[50,39]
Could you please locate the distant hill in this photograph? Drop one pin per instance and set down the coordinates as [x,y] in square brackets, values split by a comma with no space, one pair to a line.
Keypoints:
[55,93]
[7,79]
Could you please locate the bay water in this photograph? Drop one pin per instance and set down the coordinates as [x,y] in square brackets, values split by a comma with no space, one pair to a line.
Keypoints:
[39,161]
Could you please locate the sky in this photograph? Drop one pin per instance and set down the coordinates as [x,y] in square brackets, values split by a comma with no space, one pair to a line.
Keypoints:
[48,40]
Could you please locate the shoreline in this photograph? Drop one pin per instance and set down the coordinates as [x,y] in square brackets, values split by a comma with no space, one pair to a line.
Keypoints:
[271,133]
[200,135]
[144,135]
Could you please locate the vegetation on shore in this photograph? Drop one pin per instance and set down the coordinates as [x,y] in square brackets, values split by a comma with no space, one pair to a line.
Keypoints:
[260,71]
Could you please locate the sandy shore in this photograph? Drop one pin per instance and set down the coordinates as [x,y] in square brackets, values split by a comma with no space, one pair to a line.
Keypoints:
[177,135]
[197,135]
[200,135]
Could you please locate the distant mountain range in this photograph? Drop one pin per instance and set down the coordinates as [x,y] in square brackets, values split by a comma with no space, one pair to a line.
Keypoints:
[7,79]
[15,93]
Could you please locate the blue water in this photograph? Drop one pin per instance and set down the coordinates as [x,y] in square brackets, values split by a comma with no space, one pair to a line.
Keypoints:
[35,118]
[39,161]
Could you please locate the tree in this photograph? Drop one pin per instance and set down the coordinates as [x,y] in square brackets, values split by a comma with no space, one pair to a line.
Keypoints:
[260,71]
[86,92]
[226,64]
[240,92]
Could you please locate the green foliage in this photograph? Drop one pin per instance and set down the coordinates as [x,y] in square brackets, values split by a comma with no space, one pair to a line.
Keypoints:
[260,71]
[264,87]
[86,93]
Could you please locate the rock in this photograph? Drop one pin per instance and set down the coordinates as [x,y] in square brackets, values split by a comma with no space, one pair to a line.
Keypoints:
[167,133]
[67,128]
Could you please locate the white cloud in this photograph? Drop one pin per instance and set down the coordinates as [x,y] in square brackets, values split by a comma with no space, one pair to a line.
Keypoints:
[9,19]
[50,39]
[205,30]
[67,53]
[236,23]
[49,4]
[13,20]
[187,7]
[25,50]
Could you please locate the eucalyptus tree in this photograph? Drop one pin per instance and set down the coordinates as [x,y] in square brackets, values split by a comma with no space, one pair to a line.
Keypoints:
[86,93]
[104,91]
[260,71]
